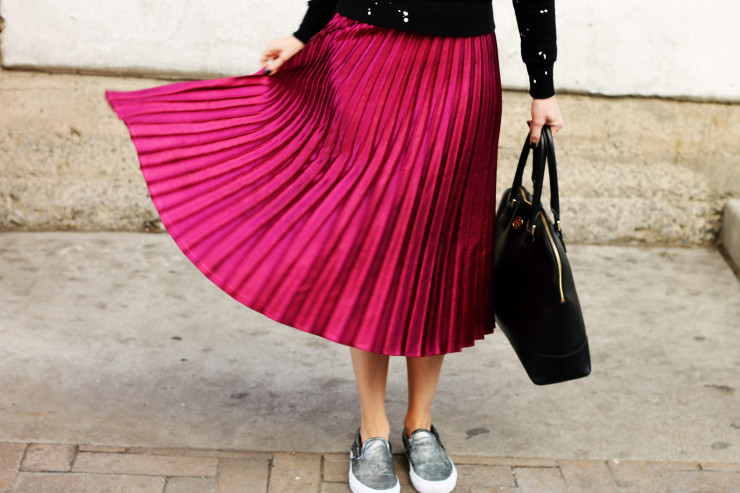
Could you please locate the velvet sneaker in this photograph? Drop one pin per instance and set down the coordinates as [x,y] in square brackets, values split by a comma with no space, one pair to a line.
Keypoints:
[430,467]
[371,467]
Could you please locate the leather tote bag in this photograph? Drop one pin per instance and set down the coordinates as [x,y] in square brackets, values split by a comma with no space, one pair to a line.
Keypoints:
[537,305]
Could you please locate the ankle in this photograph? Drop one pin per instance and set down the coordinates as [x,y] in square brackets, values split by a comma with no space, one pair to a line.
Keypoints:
[412,423]
[372,431]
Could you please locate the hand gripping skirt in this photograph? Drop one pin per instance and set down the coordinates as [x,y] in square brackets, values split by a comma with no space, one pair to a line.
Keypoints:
[350,195]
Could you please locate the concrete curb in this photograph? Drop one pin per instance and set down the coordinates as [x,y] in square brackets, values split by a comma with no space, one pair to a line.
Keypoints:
[730,232]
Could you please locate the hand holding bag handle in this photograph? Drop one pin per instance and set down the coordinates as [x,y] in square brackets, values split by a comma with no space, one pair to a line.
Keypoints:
[537,305]
[547,147]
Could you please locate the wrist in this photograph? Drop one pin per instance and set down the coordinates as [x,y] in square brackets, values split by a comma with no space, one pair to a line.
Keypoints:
[541,91]
[301,36]
[541,84]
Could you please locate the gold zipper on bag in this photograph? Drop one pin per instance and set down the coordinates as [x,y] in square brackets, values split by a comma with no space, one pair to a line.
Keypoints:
[554,249]
[557,257]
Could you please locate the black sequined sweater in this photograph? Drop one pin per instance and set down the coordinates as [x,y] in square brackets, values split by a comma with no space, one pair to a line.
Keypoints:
[535,19]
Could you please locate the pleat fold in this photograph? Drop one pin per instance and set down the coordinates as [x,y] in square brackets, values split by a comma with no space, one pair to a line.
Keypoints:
[350,195]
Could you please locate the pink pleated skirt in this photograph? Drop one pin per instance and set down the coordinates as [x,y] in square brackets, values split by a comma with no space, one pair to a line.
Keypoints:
[350,195]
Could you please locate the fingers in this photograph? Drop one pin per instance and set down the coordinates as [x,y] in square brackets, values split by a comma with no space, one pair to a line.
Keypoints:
[268,54]
[275,64]
[555,126]
[545,112]
[271,58]
[535,131]
[265,62]
[278,52]
[268,59]
[270,67]
[270,64]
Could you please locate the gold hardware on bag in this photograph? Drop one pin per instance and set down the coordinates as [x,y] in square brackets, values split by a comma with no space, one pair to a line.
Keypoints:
[524,197]
[552,243]
[557,258]
[518,222]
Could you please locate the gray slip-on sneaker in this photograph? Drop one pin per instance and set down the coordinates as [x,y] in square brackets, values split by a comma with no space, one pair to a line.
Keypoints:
[430,467]
[371,467]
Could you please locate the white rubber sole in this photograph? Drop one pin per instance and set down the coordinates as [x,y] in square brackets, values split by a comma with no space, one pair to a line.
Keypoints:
[425,486]
[356,487]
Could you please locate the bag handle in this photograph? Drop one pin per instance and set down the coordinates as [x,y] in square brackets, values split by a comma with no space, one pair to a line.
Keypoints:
[554,191]
[544,155]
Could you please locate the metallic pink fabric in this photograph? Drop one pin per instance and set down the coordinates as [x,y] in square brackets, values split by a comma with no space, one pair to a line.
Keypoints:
[351,195]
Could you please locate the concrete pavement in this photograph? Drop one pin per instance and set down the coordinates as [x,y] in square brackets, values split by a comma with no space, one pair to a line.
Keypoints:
[116,340]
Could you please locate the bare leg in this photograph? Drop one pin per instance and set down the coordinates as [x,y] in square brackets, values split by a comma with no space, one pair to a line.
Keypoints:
[371,373]
[423,375]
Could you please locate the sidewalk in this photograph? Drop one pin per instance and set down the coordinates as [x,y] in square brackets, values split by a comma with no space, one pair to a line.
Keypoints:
[53,468]
[116,340]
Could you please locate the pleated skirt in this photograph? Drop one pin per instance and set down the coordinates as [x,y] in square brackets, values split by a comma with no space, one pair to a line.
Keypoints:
[350,195]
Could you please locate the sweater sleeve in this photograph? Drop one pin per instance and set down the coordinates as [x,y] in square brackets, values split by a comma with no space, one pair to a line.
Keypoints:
[317,16]
[536,21]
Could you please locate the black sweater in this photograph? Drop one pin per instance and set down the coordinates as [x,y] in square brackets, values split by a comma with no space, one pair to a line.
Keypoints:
[535,18]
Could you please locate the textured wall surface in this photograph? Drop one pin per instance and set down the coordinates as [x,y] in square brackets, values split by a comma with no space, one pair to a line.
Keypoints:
[730,236]
[671,48]
[662,47]
[643,170]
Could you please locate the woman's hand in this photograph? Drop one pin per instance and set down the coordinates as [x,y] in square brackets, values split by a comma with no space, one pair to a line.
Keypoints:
[544,112]
[278,51]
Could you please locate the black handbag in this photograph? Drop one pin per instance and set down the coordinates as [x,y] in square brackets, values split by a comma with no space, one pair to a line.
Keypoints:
[535,297]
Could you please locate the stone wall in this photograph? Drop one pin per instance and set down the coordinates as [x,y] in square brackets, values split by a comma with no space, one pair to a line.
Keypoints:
[631,169]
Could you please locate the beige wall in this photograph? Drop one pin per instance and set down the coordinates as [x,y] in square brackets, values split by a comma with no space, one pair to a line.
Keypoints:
[670,48]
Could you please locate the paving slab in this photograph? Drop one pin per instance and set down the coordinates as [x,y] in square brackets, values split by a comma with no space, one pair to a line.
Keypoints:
[243,475]
[636,477]
[327,473]
[540,480]
[30,482]
[590,476]
[115,339]
[483,477]
[11,455]
[191,485]
[145,464]
[295,473]
[42,457]
[702,481]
